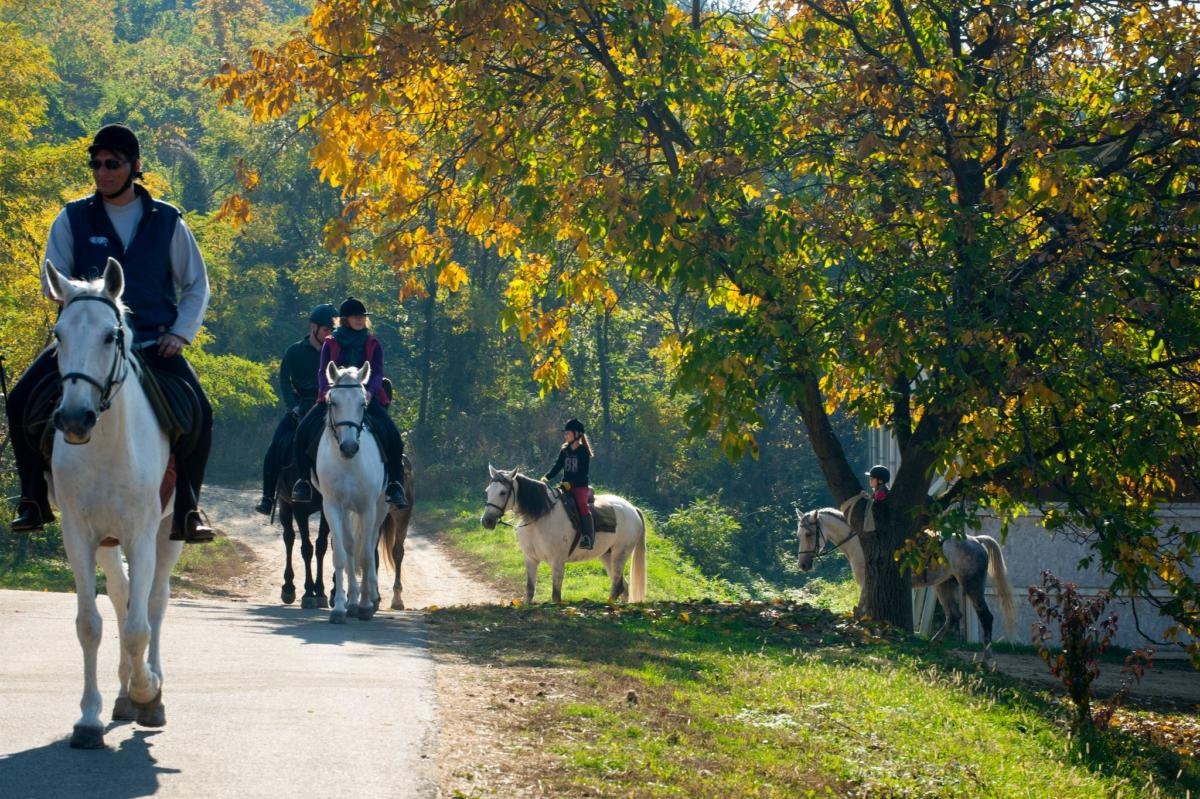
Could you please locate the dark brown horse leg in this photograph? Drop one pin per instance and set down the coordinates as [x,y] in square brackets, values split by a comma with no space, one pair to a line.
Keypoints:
[322,545]
[288,594]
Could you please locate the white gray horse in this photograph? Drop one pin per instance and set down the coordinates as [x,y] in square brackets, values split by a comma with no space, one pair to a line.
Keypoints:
[110,454]
[349,475]
[968,561]
[545,533]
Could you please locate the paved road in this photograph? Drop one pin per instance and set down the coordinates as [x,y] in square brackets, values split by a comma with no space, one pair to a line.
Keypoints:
[261,701]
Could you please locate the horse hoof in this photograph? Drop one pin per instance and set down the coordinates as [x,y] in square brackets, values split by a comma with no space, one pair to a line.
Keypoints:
[87,737]
[152,716]
[321,602]
[397,603]
[288,595]
[123,709]
[365,612]
[337,617]
[308,602]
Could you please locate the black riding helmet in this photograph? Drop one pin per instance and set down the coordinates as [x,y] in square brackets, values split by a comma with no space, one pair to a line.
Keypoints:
[573,425]
[323,315]
[352,307]
[880,472]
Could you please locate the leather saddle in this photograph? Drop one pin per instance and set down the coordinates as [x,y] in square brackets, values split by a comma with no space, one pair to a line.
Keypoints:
[604,516]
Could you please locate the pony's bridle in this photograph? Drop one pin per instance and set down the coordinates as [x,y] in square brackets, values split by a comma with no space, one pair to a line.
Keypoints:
[112,384]
[818,547]
[512,495]
[360,424]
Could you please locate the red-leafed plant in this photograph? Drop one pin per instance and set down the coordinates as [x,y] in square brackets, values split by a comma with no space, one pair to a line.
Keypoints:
[1084,632]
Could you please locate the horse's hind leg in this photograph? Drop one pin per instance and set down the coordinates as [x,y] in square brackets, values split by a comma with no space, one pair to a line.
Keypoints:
[322,546]
[557,570]
[309,600]
[88,732]
[398,561]
[288,594]
[118,593]
[947,594]
[614,566]
[974,591]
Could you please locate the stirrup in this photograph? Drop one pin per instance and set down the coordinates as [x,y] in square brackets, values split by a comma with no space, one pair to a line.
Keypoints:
[29,518]
[302,491]
[586,542]
[396,495]
[193,529]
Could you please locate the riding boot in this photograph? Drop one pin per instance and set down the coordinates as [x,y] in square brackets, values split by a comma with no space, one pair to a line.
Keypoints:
[265,505]
[30,517]
[587,523]
[395,495]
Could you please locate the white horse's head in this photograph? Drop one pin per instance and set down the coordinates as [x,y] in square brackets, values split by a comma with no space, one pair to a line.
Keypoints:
[501,495]
[91,340]
[809,535]
[348,399]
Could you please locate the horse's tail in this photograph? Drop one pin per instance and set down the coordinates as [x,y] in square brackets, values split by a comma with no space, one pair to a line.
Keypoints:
[387,540]
[637,569]
[999,574]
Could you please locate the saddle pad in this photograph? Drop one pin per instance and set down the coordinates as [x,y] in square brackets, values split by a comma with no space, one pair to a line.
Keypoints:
[604,516]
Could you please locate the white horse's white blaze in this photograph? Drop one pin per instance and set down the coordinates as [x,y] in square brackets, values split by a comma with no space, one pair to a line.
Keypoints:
[105,474]
[349,473]
[547,538]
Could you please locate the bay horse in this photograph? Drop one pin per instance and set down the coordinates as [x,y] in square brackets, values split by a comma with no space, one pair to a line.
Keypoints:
[545,533]
[294,515]
[968,562]
[110,455]
[350,477]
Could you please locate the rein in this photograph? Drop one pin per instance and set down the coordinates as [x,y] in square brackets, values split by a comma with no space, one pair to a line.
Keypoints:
[112,384]
[820,551]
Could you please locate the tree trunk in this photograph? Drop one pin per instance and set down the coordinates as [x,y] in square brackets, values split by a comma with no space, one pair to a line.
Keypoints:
[426,370]
[888,593]
[605,384]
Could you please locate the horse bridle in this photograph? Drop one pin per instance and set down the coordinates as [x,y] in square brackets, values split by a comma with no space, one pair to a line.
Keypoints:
[512,493]
[360,425]
[112,384]
[817,551]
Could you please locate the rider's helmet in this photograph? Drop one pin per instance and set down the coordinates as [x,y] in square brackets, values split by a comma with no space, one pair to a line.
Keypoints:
[117,139]
[574,425]
[323,315]
[352,307]
[880,472]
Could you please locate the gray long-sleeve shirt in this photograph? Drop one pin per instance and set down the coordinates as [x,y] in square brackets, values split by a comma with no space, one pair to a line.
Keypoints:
[187,264]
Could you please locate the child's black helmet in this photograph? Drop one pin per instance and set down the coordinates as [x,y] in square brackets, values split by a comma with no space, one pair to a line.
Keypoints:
[880,472]
[574,425]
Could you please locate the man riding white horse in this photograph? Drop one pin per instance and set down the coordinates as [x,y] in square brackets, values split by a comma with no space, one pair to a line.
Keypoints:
[159,256]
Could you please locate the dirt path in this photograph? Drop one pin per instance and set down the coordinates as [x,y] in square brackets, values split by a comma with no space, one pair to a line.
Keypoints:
[429,575]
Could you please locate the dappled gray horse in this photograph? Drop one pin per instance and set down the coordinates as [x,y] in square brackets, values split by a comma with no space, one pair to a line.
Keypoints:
[969,560]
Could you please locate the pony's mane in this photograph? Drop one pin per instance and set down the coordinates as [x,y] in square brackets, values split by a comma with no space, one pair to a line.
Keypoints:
[533,497]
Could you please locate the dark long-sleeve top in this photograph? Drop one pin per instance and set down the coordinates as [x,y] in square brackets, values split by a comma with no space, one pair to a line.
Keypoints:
[330,351]
[298,374]
[574,464]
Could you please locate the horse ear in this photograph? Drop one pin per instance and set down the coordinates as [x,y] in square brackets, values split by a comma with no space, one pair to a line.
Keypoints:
[114,279]
[331,372]
[492,471]
[799,513]
[364,374]
[54,282]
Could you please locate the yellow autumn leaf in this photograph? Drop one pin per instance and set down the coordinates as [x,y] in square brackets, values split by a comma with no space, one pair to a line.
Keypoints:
[452,276]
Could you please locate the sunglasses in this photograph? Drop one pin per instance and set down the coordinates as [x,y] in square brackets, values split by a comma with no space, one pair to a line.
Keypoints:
[110,164]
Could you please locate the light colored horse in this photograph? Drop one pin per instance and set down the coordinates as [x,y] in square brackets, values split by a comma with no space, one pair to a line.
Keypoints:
[545,534]
[968,561]
[349,475]
[110,454]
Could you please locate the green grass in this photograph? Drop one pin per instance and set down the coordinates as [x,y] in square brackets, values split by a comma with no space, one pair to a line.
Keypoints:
[669,574]
[766,700]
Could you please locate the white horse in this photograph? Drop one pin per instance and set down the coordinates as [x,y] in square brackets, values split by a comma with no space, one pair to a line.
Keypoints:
[110,454]
[968,561]
[545,534]
[349,475]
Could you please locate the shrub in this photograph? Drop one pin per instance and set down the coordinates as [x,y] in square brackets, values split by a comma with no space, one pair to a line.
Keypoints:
[707,532]
[1083,633]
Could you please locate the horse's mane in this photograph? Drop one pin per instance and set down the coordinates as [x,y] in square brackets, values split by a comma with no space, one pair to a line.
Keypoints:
[533,497]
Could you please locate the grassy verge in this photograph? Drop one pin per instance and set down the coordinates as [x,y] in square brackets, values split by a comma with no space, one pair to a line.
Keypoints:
[669,575]
[765,700]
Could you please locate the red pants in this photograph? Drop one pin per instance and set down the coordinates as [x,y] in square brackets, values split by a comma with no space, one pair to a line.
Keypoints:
[581,498]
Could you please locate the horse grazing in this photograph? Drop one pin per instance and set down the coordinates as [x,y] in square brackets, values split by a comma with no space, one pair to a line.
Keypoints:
[349,475]
[110,455]
[394,533]
[546,534]
[968,561]
[294,514]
